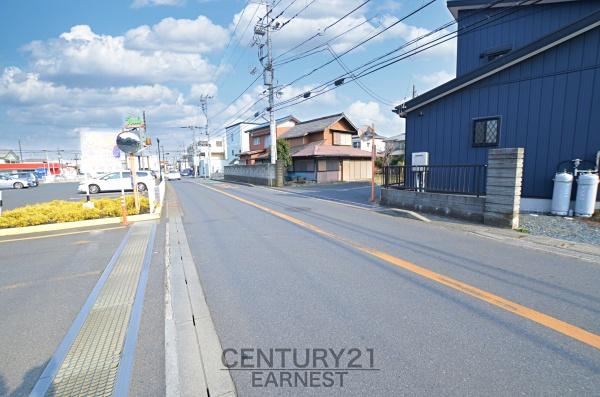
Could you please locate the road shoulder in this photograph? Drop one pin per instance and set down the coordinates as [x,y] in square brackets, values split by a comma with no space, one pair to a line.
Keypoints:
[190,333]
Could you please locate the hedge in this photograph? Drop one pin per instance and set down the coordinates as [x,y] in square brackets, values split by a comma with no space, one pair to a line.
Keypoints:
[58,211]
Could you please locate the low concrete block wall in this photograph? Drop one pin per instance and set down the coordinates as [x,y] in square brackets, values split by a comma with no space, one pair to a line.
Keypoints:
[463,207]
[258,174]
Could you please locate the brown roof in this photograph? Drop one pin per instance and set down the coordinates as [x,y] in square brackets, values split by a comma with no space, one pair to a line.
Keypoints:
[315,125]
[321,149]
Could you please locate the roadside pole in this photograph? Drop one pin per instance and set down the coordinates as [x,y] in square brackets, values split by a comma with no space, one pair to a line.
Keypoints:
[1,203]
[373,154]
[123,203]
[136,193]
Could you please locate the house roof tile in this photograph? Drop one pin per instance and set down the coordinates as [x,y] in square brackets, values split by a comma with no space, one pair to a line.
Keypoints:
[314,125]
[321,149]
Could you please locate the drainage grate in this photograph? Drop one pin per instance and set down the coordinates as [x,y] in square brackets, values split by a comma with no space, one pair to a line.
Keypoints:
[90,367]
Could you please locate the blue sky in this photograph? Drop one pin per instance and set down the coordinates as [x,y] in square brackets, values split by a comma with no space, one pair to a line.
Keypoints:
[67,65]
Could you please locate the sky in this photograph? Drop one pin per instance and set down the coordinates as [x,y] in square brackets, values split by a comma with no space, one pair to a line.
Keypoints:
[72,65]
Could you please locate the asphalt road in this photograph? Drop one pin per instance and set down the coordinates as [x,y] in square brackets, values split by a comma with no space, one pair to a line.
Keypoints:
[43,284]
[357,193]
[13,198]
[271,283]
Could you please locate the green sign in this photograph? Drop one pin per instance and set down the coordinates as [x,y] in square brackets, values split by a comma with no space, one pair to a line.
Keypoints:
[134,121]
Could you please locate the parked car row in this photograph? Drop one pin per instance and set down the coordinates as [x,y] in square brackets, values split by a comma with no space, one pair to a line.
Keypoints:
[18,180]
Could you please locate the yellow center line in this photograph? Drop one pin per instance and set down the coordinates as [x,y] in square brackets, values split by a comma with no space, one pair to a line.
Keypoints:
[49,280]
[60,234]
[553,323]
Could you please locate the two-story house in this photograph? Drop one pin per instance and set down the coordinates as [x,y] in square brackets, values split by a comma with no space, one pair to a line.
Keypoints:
[322,151]
[363,141]
[238,140]
[527,75]
[260,140]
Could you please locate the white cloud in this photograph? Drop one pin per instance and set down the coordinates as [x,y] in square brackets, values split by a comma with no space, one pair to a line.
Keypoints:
[18,87]
[197,90]
[367,113]
[82,55]
[146,3]
[199,35]
[433,80]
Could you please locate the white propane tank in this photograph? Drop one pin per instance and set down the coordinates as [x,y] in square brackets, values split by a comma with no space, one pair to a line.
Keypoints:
[561,196]
[587,190]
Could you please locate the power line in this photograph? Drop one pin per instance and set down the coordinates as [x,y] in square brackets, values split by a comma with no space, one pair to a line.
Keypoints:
[296,14]
[367,90]
[341,80]
[285,9]
[417,39]
[323,31]
[310,52]
[362,42]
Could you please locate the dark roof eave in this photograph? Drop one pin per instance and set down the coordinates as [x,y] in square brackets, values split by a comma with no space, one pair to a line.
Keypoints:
[454,6]
[551,40]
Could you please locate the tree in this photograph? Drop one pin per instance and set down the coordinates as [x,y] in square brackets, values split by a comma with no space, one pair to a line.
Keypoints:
[283,152]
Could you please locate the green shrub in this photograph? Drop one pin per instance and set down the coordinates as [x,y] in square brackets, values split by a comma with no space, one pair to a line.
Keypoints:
[65,211]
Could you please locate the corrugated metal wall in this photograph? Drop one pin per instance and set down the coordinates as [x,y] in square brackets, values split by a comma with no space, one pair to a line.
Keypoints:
[516,28]
[550,105]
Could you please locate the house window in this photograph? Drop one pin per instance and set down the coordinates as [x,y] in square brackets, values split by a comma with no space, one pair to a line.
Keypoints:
[486,132]
[219,143]
[256,140]
[342,139]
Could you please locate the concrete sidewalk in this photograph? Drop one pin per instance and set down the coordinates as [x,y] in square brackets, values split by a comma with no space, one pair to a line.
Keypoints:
[97,354]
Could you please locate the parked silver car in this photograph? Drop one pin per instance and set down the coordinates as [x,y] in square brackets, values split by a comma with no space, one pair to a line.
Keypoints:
[14,183]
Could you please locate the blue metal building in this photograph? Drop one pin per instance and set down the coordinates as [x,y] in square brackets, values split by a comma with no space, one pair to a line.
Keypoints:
[527,76]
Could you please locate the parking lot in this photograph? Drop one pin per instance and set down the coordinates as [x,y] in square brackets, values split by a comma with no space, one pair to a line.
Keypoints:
[13,198]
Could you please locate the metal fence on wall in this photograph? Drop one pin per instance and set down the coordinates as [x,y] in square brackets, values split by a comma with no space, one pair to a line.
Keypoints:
[450,179]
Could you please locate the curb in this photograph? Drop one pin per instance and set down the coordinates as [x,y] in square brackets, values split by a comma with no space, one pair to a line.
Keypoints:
[75,225]
[403,213]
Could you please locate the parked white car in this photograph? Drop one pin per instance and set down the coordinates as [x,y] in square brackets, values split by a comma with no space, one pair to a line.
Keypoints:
[173,175]
[14,183]
[113,182]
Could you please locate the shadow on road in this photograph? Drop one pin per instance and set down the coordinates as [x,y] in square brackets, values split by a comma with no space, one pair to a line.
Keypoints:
[26,385]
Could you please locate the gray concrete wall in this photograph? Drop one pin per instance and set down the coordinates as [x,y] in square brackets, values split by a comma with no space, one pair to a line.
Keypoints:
[500,206]
[257,174]
[456,206]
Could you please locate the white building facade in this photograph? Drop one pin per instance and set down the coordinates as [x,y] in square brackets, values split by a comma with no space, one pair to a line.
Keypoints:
[237,141]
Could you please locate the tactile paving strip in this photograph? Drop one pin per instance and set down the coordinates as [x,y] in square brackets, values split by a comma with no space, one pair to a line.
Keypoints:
[90,367]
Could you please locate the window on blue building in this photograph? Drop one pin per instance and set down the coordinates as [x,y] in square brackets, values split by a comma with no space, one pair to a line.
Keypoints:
[486,132]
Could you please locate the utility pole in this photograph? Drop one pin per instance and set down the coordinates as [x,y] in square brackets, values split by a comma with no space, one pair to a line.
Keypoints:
[414,91]
[264,28]
[204,105]
[59,161]
[76,163]
[159,163]
[194,148]
[20,152]
[373,155]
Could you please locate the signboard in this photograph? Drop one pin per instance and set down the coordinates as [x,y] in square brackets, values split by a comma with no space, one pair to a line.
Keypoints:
[98,151]
[134,121]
